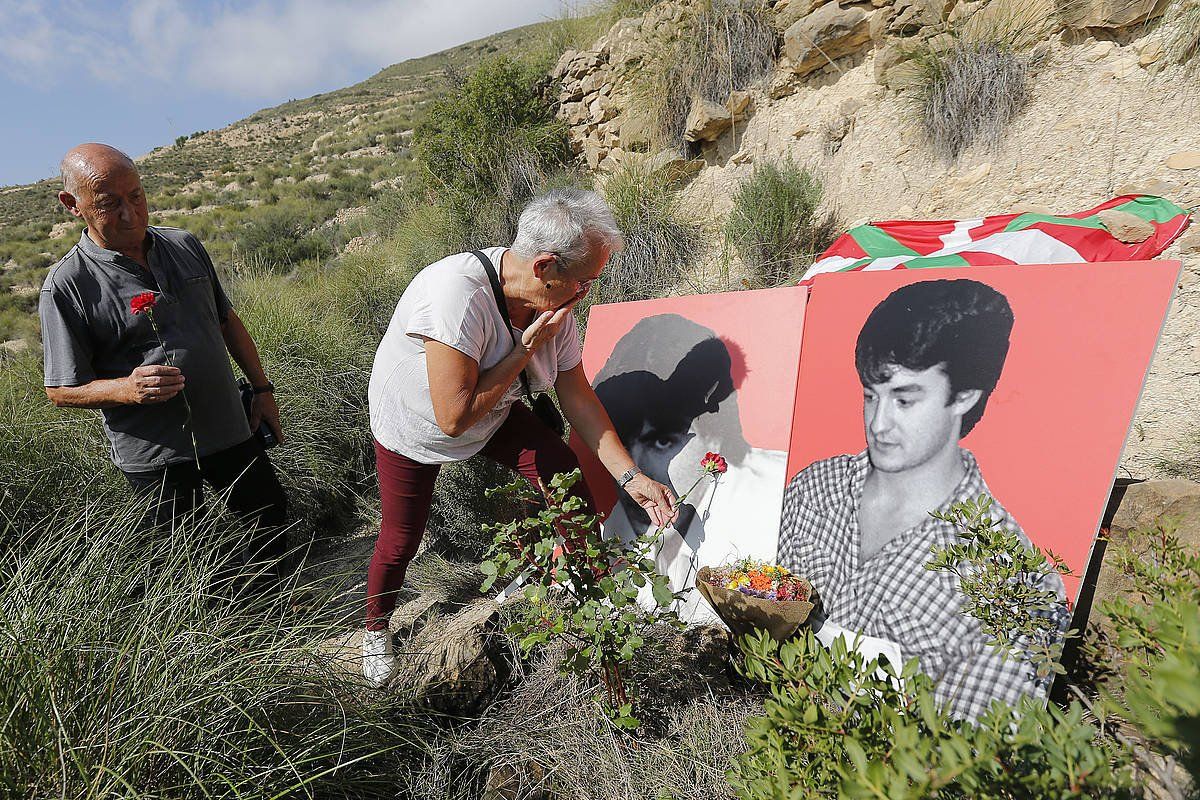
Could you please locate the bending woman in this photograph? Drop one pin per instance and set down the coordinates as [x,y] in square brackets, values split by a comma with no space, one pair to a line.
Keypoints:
[446,383]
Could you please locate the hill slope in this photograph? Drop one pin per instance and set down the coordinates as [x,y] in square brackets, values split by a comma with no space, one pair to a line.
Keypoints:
[264,184]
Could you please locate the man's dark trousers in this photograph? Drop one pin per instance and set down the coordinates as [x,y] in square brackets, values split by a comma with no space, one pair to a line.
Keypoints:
[244,477]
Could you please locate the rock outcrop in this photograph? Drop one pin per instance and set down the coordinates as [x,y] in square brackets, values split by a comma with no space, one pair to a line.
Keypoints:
[825,35]
[841,102]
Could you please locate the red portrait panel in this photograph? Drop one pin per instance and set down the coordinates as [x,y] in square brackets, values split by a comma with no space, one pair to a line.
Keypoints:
[1051,434]
[684,376]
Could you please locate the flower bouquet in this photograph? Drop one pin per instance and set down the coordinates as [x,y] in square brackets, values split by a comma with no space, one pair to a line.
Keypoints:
[750,594]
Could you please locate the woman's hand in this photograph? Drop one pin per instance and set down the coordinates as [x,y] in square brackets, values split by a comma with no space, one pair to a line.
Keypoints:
[658,500]
[544,328]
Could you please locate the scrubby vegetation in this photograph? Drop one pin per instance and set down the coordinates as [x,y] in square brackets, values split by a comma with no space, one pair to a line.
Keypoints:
[659,242]
[969,93]
[131,680]
[716,47]
[775,225]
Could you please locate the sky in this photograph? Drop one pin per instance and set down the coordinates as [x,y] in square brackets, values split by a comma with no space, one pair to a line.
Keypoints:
[138,73]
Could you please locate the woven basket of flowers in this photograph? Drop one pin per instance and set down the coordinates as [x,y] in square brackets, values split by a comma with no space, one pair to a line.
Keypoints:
[749,595]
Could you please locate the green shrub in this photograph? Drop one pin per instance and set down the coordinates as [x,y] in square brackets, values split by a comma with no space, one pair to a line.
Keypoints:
[775,226]
[283,235]
[597,619]
[485,149]
[659,242]
[1154,667]
[837,726]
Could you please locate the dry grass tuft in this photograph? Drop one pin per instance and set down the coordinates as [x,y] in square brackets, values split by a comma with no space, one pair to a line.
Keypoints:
[720,46]
[970,92]
[550,736]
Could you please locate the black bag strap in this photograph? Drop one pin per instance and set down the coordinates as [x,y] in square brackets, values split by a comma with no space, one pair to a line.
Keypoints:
[498,295]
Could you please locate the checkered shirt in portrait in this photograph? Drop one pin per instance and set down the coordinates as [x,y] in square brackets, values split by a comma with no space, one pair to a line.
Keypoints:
[892,595]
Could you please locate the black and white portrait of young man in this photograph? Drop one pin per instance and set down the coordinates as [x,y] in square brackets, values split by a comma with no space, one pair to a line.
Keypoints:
[859,526]
[669,388]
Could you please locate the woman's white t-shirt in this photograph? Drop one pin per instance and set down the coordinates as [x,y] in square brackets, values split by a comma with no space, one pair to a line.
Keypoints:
[451,301]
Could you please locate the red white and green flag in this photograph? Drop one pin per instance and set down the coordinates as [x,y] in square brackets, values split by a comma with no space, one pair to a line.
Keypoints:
[1003,239]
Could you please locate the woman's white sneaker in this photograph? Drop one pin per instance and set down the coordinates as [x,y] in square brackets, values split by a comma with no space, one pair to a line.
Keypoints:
[378,662]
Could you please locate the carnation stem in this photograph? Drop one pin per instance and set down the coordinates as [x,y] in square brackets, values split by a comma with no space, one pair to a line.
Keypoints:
[187,423]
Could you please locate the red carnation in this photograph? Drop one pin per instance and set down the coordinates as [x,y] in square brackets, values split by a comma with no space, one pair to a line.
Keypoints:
[142,302]
[714,463]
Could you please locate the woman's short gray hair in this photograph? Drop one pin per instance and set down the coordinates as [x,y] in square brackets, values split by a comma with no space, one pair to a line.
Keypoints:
[569,222]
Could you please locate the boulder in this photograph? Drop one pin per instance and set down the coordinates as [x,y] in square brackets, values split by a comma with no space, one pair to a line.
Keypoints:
[1184,160]
[1113,14]
[824,36]
[573,113]
[521,781]
[594,152]
[450,666]
[894,67]
[706,121]
[787,12]
[636,129]
[564,63]
[738,104]
[1145,504]
[1126,227]
[907,17]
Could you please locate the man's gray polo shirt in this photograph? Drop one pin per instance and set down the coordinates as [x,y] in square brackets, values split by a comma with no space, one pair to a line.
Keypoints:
[90,333]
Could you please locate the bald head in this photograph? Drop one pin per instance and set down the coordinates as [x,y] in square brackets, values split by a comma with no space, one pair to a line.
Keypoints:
[102,187]
[89,164]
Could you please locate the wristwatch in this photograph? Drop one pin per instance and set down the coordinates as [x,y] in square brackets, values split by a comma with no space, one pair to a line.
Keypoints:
[627,476]
[269,387]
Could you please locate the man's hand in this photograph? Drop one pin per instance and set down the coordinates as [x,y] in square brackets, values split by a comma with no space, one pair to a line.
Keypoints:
[152,383]
[263,408]
[544,328]
[658,500]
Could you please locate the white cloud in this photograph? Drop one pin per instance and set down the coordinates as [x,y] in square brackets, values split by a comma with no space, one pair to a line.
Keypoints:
[263,49]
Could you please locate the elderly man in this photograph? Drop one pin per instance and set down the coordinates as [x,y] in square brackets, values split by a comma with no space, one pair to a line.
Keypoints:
[172,426]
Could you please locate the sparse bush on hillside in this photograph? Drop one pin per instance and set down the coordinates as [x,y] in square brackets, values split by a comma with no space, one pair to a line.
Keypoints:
[775,226]
[659,242]
[485,149]
[283,235]
[969,93]
[720,46]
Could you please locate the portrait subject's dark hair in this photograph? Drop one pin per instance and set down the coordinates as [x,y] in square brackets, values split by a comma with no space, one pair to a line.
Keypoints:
[961,325]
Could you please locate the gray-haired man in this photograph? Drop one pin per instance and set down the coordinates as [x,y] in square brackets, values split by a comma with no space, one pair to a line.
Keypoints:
[99,354]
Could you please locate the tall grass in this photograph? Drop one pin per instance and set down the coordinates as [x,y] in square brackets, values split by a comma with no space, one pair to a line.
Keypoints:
[125,675]
[970,92]
[659,242]
[720,46]
[1182,22]
[48,457]
[775,226]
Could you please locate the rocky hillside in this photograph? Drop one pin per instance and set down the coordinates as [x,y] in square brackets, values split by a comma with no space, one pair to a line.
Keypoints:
[271,178]
[1087,101]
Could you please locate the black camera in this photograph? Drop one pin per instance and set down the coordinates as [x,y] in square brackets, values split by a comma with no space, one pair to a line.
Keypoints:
[264,434]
